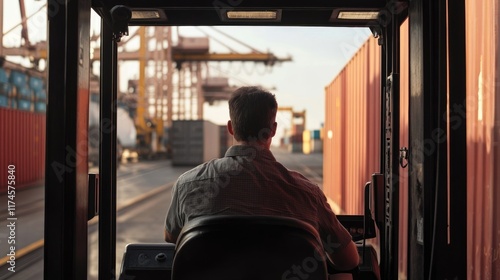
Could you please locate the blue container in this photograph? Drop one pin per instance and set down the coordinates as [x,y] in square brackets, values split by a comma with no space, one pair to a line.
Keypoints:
[4,88]
[3,76]
[18,79]
[35,83]
[24,93]
[315,134]
[94,98]
[24,105]
[40,107]
[13,103]
[40,95]
[4,101]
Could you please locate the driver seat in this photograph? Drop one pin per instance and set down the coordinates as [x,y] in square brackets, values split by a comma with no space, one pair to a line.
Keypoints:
[248,248]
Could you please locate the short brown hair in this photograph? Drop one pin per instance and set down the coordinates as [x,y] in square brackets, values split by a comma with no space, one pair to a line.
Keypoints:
[252,111]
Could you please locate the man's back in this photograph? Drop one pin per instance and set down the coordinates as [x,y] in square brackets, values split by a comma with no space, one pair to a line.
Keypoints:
[249,181]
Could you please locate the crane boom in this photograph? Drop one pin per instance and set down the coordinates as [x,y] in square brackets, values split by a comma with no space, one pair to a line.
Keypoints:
[179,56]
[267,58]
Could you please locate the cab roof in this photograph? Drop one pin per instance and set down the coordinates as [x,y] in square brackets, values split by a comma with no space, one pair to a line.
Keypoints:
[356,13]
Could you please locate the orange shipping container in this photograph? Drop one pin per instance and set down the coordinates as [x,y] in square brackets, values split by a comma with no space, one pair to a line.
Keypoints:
[352,129]
[483,138]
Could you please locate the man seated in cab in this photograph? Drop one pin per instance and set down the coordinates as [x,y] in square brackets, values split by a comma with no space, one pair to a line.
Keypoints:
[249,181]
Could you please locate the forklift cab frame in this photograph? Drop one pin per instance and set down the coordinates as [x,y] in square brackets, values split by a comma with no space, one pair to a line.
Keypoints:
[434,60]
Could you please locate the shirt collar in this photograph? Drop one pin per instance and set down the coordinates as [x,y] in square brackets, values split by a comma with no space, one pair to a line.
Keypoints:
[249,151]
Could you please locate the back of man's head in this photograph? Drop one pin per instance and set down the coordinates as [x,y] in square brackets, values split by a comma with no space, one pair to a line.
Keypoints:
[253,113]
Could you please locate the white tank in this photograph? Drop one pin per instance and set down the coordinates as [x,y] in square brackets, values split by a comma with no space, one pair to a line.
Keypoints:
[126,132]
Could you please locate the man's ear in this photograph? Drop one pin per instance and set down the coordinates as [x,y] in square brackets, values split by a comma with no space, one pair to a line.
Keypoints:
[230,127]
[273,129]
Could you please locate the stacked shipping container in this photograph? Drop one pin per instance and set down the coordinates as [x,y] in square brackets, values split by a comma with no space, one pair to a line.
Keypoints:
[312,141]
[226,140]
[22,127]
[194,142]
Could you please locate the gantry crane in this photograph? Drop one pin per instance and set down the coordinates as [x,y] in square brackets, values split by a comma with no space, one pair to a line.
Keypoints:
[150,54]
[190,53]
[295,115]
[189,56]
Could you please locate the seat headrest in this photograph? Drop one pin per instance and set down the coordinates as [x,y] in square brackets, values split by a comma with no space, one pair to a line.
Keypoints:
[248,247]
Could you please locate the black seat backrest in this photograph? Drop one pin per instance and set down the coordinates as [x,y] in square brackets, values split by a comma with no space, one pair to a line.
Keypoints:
[248,247]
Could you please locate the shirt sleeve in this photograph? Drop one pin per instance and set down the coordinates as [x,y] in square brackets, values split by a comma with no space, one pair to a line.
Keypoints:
[333,234]
[174,222]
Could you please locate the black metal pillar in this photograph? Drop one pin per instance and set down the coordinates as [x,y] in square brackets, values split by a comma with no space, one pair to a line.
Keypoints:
[439,56]
[455,253]
[66,172]
[389,232]
[424,31]
[107,152]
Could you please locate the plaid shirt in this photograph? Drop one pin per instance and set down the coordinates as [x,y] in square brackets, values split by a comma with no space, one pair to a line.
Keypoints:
[249,181]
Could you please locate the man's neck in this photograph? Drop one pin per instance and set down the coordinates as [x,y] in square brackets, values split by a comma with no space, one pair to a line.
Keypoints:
[257,144]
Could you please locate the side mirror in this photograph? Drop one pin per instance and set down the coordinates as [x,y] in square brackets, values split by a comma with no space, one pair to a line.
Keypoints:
[361,227]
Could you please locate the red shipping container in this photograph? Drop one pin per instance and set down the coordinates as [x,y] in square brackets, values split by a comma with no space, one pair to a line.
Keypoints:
[22,146]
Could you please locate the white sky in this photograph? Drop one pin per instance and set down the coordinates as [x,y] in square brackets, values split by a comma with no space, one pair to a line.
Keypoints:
[318,55]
